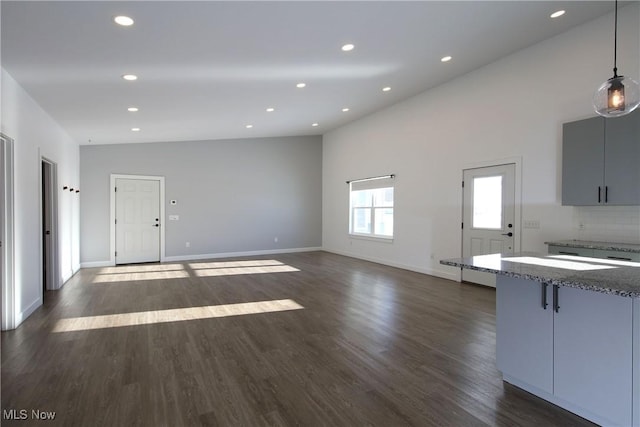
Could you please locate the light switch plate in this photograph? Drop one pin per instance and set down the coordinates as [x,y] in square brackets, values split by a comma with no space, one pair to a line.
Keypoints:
[174,217]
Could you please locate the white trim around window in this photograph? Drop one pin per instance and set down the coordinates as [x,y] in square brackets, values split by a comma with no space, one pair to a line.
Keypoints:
[371,208]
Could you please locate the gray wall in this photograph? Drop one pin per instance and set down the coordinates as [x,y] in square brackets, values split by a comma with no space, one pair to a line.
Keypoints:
[233,195]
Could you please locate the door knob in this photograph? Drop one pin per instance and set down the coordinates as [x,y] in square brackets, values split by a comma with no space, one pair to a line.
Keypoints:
[508,234]
[156,225]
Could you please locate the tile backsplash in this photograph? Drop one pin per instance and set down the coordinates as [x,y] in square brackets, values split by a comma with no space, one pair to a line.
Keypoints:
[620,224]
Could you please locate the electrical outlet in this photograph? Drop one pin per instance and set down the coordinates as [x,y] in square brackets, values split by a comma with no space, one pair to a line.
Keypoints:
[275,239]
[187,244]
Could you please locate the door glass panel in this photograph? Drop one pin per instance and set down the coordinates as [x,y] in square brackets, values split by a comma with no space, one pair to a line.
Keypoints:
[487,202]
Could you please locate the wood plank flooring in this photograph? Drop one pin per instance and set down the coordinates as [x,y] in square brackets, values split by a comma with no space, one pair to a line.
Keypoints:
[373,346]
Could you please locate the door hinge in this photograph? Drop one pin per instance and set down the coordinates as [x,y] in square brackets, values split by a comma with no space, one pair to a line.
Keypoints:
[116,254]
[115,190]
[116,220]
[462,184]
[462,225]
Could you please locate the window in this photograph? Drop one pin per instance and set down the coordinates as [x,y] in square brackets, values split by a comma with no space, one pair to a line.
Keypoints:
[371,207]
[487,202]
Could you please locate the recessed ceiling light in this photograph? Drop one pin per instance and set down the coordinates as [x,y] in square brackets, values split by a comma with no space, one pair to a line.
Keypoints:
[130,77]
[270,110]
[135,129]
[445,58]
[557,14]
[386,89]
[314,124]
[132,109]
[249,126]
[301,85]
[344,110]
[125,21]
[348,47]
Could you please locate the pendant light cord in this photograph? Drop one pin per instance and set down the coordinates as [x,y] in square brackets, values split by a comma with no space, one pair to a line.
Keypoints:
[615,43]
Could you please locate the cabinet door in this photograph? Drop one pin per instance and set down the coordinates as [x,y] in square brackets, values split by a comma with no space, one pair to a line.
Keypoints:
[617,255]
[593,353]
[583,162]
[570,250]
[622,160]
[524,332]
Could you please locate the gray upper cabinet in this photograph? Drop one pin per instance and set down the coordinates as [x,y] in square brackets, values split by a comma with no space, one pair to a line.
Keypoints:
[601,161]
[583,162]
[622,160]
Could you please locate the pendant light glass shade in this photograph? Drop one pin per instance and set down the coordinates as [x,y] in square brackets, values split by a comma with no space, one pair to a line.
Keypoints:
[616,97]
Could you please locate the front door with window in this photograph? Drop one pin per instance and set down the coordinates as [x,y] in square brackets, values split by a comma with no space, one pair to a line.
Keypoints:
[137,220]
[488,216]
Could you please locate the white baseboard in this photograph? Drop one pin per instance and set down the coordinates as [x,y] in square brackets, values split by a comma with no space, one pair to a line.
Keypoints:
[94,264]
[177,258]
[430,271]
[22,316]
[238,254]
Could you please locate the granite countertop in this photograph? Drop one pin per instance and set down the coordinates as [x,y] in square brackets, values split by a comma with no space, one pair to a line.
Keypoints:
[605,246]
[601,275]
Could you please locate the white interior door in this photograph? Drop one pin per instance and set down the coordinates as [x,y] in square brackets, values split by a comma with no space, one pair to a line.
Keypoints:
[488,216]
[137,220]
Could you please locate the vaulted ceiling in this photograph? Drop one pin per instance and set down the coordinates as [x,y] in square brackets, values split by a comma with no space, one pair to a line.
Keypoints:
[210,70]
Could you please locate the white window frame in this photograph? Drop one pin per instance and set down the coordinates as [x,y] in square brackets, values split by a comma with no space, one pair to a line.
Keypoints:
[374,183]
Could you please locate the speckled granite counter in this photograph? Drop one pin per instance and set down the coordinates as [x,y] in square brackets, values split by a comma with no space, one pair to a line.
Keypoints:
[605,246]
[608,276]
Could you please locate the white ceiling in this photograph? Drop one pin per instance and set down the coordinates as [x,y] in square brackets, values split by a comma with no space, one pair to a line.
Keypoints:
[207,69]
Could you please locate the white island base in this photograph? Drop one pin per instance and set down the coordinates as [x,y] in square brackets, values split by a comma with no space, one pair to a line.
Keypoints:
[579,349]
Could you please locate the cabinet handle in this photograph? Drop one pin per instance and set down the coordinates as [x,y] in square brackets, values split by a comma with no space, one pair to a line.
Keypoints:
[599,191]
[544,295]
[606,194]
[556,306]
[619,257]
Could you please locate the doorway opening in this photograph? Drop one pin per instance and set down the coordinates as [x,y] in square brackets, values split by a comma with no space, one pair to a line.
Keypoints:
[49,229]
[489,215]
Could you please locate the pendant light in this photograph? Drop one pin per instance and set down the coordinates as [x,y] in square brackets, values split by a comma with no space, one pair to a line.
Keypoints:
[619,95]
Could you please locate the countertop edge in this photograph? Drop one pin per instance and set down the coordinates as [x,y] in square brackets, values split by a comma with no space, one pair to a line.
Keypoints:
[546,280]
[605,246]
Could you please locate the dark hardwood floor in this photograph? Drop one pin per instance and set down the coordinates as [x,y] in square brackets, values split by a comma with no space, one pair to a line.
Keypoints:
[372,345]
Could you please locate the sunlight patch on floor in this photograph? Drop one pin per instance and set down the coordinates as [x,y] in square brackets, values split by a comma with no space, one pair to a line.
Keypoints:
[231,268]
[149,275]
[244,270]
[173,315]
[150,268]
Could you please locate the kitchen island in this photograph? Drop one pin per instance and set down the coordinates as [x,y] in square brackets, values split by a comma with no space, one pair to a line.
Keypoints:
[568,330]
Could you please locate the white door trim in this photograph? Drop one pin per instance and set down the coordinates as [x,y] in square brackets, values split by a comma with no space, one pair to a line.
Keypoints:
[112,214]
[517,226]
[7,232]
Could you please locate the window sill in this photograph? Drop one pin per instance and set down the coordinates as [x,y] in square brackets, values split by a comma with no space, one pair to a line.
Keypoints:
[371,238]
